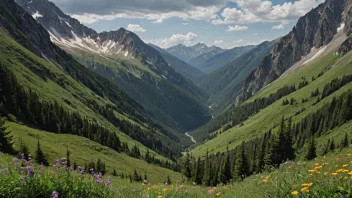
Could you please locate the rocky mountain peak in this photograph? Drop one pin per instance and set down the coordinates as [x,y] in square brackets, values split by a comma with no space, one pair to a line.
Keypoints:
[315,29]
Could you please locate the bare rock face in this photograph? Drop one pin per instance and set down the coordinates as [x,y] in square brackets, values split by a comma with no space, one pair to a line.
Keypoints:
[315,29]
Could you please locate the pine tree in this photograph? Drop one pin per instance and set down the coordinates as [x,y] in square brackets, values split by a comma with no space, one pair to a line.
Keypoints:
[278,145]
[226,174]
[344,142]
[188,167]
[145,177]
[6,145]
[288,148]
[207,170]
[168,180]
[241,164]
[24,149]
[198,176]
[135,175]
[311,150]
[68,158]
[40,157]
[332,145]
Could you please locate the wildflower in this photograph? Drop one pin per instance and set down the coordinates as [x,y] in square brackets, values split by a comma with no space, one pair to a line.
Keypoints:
[310,175]
[72,167]
[54,194]
[5,171]
[218,194]
[210,191]
[294,192]
[333,174]
[350,173]
[15,160]
[107,182]
[345,165]
[326,173]
[160,196]
[22,156]
[143,184]
[265,180]
[30,170]
[312,171]
[29,157]
[307,185]
[305,189]
[294,186]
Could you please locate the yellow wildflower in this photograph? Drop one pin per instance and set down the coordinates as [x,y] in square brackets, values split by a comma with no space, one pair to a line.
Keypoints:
[350,173]
[310,175]
[326,173]
[160,196]
[312,171]
[218,194]
[294,186]
[316,164]
[305,189]
[265,180]
[345,165]
[307,185]
[294,192]
[333,174]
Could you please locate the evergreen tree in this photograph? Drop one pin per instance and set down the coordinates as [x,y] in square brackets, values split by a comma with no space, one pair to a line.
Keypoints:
[114,173]
[68,158]
[198,176]
[145,177]
[188,167]
[24,149]
[135,175]
[332,145]
[40,157]
[288,148]
[226,174]
[168,180]
[241,164]
[207,170]
[6,145]
[311,150]
[278,145]
[344,142]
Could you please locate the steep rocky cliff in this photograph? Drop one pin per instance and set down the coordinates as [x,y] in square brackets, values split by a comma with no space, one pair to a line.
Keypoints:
[315,29]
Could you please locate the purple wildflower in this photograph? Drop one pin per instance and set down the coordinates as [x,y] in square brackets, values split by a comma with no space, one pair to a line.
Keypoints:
[29,157]
[107,182]
[30,170]
[24,179]
[55,194]
[5,171]
[22,156]
[72,167]
[41,166]
[15,160]
[21,169]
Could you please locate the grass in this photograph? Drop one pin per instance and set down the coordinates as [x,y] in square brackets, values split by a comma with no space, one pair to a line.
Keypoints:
[270,116]
[325,176]
[84,151]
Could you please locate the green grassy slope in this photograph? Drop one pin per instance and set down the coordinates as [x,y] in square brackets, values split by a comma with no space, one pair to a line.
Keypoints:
[72,96]
[269,117]
[84,151]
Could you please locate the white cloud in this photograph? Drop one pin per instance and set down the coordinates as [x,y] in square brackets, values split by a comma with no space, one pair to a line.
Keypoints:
[135,28]
[158,21]
[280,26]
[255,34]
[253,11]
[195,13]
[187,39]
[218,42]
[236,28]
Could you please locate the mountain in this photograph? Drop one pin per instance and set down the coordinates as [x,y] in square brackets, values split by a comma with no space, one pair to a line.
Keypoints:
[314,30]
[224,83]
[124,59]
[187,53]
[219,60]
[180,66]
[199,60]
[46,89]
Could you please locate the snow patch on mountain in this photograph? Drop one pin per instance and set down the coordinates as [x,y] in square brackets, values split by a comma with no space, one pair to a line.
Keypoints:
[37,15]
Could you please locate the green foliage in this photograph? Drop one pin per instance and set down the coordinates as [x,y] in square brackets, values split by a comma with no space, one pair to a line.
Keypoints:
[40,157]
[311,150]
[6,145]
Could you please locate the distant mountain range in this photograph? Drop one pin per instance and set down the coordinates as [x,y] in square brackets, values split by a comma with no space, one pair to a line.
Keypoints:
[188,53]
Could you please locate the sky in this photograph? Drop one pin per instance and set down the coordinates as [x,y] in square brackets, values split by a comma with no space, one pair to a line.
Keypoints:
[223,23]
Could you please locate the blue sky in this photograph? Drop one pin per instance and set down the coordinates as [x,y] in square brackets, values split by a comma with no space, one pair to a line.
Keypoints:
[224,23]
